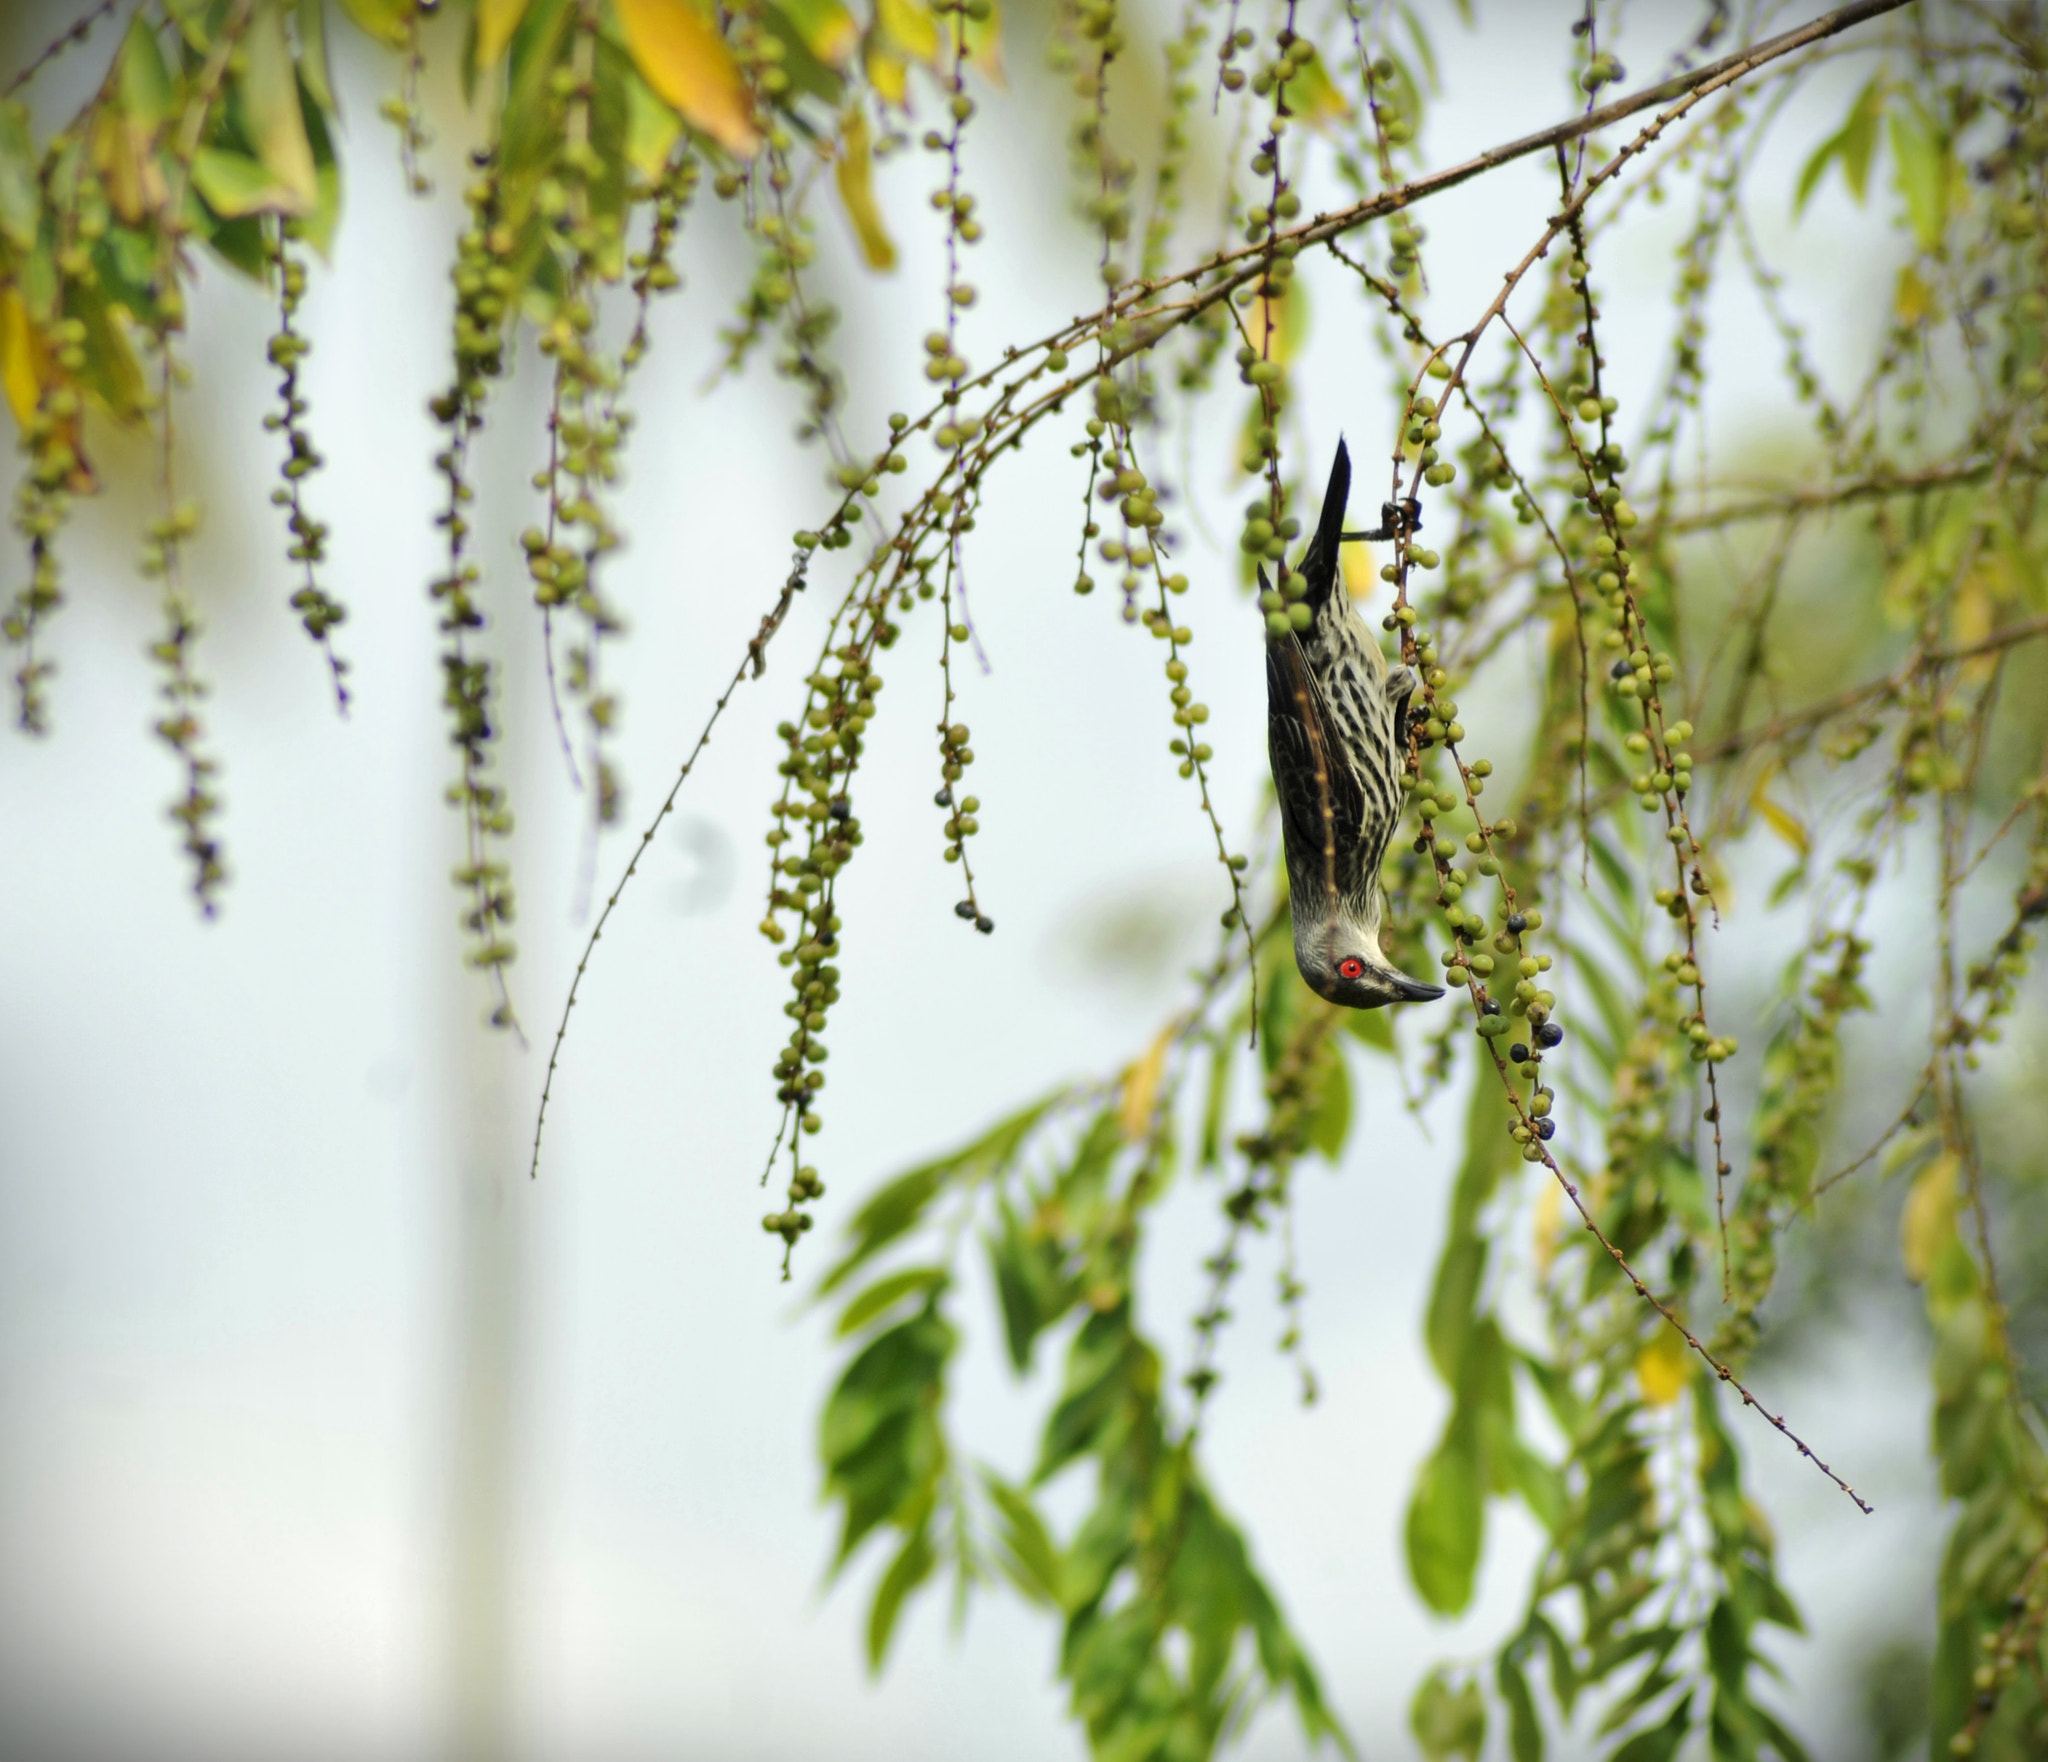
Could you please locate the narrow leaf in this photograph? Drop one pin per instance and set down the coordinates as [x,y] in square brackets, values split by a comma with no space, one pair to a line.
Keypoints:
[911,1567]
[1031,1558]
[1446,1519]
[20,357]
[885,1293]
[1660,1743]
[313,68]
[1330,1124]
[21,202]
[1923,160]
[148,98]
[496,20]
[235,185]
[269,90]
[1141,1080]
[1929,1219]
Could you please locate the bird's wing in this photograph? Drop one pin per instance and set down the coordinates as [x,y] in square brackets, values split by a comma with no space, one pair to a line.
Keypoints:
[1322,805]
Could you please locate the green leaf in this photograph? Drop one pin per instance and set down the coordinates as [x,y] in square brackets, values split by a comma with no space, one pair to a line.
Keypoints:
[911,1567]
[891,1478]
[1371,1027]
[1525,1730]
[318,225]
[1660,1743]
[1030,1286]
[1541,1486]
[1219,1094]
[886,1292]
[1789,1748]
[1659,1642]
[1330,1124]
[1685,1190]
[1852,145]
[148,96]
[1453,1299]
[1555,1386]
[1030,1556]
[1446,1521]
[1925,172]
[235,185]
[652,129]
[899,1205]
[1448,1721]
[896,1371]
[1283,994]
[1106,1366]
[1607,999]
[21,201]
[313,66]
[111,368]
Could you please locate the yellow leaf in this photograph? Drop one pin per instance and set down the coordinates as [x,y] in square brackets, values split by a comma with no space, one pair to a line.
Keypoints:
[688,64]
[124,153]
[1663,1367]
[1974,611]
[1781,820]
[889,74]
[19,377]
[984,38]
[910,27]
[854,173]
[1914,301]
[1930,1215]
[1784,822]
[496,20]
[1286,316]
[1141,1088]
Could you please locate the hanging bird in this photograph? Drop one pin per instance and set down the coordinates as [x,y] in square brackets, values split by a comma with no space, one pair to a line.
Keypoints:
[1336,727]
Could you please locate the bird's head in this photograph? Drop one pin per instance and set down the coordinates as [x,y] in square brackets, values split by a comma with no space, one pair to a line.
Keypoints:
[1353,972]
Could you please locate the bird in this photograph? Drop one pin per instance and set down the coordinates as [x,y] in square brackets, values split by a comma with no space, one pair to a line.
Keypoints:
[1336,731]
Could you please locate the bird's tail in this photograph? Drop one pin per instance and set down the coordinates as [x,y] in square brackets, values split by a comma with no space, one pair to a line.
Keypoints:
[1319,561]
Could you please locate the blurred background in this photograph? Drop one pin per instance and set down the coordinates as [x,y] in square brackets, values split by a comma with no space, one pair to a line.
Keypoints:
[326,1433]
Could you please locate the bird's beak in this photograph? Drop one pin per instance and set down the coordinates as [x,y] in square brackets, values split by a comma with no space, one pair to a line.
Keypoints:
[1414,990]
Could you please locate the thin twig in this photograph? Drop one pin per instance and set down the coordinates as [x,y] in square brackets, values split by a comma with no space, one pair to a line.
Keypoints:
[752,665]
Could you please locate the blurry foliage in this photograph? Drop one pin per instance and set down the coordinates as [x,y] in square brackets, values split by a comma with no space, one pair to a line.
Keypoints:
[1831,651]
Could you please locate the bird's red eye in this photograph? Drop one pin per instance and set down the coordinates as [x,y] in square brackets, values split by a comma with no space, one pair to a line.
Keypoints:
[1351,967]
